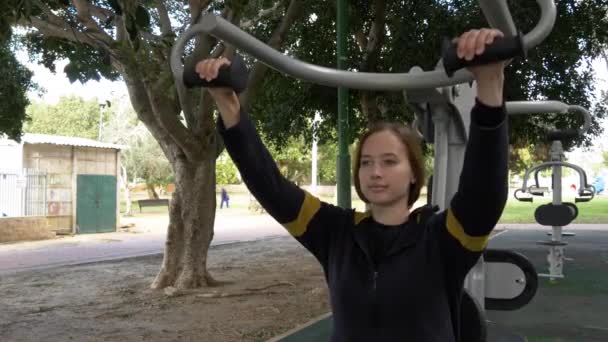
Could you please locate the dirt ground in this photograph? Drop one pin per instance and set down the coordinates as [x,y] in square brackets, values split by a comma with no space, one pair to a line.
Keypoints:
[272,286]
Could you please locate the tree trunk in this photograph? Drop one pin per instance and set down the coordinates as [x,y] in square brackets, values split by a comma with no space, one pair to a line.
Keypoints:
[129,209]
[152,194]
[124,184]
[192,213]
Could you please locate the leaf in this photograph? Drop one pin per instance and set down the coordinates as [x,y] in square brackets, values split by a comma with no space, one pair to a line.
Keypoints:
[131,27]
[71,72]
[142,18]
[115,6]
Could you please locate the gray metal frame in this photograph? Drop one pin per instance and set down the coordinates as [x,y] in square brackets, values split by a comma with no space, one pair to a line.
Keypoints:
[496,13]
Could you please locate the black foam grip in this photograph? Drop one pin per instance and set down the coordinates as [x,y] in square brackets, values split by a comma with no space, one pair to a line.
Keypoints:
[562,134]
[501,49]
[521,199]
[233,76]
[555,214]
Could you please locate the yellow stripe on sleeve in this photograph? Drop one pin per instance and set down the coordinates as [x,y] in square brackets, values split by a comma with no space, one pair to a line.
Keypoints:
[361,216]
[472,243]
[309,208]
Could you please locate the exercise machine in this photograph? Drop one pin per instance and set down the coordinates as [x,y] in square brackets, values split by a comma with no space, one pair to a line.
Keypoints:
[444,98]
[557,214]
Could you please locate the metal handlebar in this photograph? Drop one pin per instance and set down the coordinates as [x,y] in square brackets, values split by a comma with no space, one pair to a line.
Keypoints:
[582,175]
[542,107]
[226,31]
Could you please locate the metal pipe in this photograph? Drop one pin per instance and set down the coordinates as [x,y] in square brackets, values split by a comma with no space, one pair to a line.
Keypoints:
[548,13]
[226,31]
[581,172]
[586,117]
[527,107]
[543,107]
[498,16]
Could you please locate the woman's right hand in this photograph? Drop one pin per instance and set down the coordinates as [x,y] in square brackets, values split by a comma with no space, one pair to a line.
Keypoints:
[226,99]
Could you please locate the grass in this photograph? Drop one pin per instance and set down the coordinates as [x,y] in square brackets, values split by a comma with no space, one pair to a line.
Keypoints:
[595,211]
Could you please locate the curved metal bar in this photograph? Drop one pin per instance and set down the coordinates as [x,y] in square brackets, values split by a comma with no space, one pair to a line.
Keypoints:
[527,107]
[548,13]
[498,15]
[582,174]
[541,107]
[586,116]
[226,31]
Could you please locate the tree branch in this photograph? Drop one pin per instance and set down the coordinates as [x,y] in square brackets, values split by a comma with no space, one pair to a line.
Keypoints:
[170,122]
[51,30]
[276,41]
[141,105]
[371,51]
[165,22]
[99,12]
[261,15]
[84,15]
[361,40]
[196,9]
[375,37]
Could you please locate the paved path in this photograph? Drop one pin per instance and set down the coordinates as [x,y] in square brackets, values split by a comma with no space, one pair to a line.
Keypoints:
[147,237]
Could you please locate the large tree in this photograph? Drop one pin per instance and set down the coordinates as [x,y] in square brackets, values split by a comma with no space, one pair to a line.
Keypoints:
[131,40]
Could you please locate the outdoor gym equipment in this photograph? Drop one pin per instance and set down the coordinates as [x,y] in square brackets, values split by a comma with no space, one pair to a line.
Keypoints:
[443,99]
[557,214]
[496,12]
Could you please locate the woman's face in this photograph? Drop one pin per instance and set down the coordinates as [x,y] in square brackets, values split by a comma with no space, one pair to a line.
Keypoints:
[385,174]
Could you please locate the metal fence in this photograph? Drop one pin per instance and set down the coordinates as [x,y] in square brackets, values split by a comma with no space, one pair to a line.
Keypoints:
[23,193]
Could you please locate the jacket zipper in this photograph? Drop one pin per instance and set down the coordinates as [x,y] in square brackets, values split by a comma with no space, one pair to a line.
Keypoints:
[375,281]
[375,309]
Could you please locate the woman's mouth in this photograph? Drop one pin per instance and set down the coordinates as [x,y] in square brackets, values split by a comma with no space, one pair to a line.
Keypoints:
[377,188]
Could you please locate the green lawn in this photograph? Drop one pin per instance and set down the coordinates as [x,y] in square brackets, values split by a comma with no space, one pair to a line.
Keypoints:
[595,211]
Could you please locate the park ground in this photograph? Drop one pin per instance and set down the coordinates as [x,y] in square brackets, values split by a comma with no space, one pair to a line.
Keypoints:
[272,285]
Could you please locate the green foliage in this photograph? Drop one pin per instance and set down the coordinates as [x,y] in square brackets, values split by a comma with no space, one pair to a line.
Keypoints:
[144,159]
[16,81]
[326,163]
[86,63]
[605,156]
[225,170]
[71,116]
[557,70]
[293,160]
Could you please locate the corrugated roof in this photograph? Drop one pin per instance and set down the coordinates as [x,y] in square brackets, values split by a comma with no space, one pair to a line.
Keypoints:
[32,138]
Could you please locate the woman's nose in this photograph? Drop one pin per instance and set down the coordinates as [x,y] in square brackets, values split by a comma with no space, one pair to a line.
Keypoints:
[376,171]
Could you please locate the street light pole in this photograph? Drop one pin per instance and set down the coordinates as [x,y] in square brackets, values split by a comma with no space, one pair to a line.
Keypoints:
[343,174]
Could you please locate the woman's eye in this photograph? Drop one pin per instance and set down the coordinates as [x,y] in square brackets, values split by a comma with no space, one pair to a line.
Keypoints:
[390,162]
[365,163]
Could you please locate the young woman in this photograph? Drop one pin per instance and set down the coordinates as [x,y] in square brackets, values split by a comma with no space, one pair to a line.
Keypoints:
[393,274]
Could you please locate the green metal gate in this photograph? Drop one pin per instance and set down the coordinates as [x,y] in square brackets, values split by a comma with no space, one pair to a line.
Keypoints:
[96,204]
